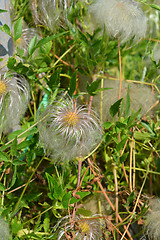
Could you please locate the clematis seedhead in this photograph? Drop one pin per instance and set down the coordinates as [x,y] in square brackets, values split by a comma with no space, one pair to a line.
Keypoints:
[69,130]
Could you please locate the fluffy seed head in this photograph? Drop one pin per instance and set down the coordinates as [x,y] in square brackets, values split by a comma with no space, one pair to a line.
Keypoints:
[68,130]
[141,97]
[123,18]
[81,229]
[153,220]
[52,13]
[4,230]
[14,97]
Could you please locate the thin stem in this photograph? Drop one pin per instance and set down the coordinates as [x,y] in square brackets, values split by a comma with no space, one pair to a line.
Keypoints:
[134,166]
[101,108]
[111,204]
[130,169]
[141,188]
[78,184]
[120,69]
[116,191]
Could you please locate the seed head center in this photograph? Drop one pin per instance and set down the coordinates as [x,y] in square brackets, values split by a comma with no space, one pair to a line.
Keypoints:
[84,227]
[71,118]
[2,87]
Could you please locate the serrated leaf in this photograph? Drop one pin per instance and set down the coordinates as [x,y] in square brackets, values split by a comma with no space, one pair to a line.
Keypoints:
[18,29]
[115,107]
[72,85]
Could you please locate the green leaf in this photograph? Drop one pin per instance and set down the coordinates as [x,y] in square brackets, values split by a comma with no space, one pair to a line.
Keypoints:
[127,108]
[18,29]
[13,177]
[11,62]
[142,136]
[15,225]
[18,162]
[107,125]
[2,187]
[26,133]
[115,107]
[148,127]
[54,187]
[123,157]
[32,44]
[84,212]
[82,37]
[151,5]
[65,199]
[47,39]
[54,80]
[154,6]
[72,85]
[2,11]
[81,194]
[14,147]
[121,144]
[5,28]
[4,157]
[46,222]
[91,89]
[23,145]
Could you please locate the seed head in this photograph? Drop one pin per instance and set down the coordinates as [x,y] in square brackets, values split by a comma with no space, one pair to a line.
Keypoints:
[123,18]
[153,220]
[68,130]
[4,230]
[14,97]
[81,229]
[52,13]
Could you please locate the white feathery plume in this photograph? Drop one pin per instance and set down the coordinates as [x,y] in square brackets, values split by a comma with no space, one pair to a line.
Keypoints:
[4,230]
[52,13]
[14,98]
[69,131]
[152,221]
[123,18]
[81,229]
